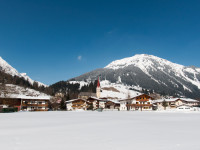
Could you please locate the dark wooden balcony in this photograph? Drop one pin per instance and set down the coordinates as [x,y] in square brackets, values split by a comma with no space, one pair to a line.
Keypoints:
[139,105]
[40,110]
[38,105]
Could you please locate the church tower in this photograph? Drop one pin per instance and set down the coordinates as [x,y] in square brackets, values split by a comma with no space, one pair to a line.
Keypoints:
[98,89]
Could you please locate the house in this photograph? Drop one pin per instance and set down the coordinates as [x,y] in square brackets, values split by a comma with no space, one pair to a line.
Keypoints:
[26,103]
[35,104]
[76,104]
[10,102]
[112,104]
[141,102]
[96,102]
[91,103]
[184,108]
[175,103]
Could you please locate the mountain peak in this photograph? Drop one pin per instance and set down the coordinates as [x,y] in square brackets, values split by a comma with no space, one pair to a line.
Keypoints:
[4,66]
[7,68]
[141,61]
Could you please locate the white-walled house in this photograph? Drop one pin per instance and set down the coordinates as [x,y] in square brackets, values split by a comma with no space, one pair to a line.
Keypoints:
[26,103]
[97,102]
[184,108]
[112,105]
[176,103]
[76,104]
[123,106]
[141,102]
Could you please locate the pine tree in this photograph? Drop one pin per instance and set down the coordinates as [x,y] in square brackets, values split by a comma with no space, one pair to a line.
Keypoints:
[164,104]
[91,106]
[62,104]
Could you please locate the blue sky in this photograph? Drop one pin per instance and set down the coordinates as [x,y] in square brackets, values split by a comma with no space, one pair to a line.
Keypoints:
[53,40]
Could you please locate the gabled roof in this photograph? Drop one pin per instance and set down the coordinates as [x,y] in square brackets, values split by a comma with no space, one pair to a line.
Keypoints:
[136,97]
[113,101]
[176,99]
[189,100]
[72,100]
[95,98]
[184,105]
[144,95]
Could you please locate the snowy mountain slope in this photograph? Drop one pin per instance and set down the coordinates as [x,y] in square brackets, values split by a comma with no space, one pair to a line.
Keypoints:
[7,68]
[26,77]
[4,66]
[11,90]
[152,73]
[121,92]
[149,62]
[113,90]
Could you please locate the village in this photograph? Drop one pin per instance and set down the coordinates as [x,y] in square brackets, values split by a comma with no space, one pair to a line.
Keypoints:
[141,102]
[87,101]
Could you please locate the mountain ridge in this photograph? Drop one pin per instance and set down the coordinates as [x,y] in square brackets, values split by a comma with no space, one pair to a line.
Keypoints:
[152,73]
[7,68]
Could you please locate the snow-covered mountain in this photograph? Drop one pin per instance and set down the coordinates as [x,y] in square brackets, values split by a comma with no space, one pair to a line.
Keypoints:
[7,68]
[151,73]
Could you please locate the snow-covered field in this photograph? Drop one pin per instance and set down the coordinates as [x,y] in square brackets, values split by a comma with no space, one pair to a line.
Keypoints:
[100,131]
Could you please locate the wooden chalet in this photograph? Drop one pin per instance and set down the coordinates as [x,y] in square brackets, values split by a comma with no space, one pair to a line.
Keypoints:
[141,102]
[35,104]
[112,105]
[76,104]
[11,102]
[96,102]
[26,103]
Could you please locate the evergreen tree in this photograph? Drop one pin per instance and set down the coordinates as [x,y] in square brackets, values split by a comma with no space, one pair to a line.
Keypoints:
[63,104]
[91,107]
[164,104]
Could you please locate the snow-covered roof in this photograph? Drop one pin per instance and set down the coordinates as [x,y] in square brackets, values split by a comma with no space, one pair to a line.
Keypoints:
[114,101]
[189,100]
[167,100]
[184,105]
[175,99]
[99,99]
[74,100]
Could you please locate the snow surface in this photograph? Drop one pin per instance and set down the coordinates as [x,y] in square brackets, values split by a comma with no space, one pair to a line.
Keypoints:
[7,68]
[99,131]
